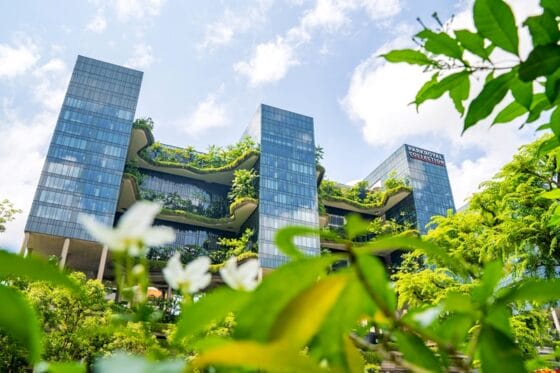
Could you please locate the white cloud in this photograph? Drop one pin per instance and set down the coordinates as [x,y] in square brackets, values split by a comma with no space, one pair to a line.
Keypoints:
[125,10]
[17,59]
[25,143]
[51,85]
[270,62]
[208,114]
[143,57]
[98,24]
[232,23]
[378,99]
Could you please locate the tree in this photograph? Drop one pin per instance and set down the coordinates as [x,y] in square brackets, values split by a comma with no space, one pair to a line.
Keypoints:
[243,185]
[7,213]
[506,221]
[458,57]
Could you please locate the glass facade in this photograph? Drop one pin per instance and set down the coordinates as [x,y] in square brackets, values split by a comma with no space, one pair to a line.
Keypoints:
[427,175]
[85,161]
[287,180]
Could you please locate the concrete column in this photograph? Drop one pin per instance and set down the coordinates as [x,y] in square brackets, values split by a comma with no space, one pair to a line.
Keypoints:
[555,319]
[102,262]
[64,253]
[169,293]
[23,248]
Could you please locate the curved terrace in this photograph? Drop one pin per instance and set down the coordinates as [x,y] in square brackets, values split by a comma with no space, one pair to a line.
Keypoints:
[240,210]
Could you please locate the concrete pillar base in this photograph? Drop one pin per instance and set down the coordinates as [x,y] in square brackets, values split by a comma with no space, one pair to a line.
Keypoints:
[64,254]
[102,261]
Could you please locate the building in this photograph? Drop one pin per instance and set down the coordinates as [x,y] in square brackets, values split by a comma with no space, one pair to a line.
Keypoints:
[426,173]
[100,162]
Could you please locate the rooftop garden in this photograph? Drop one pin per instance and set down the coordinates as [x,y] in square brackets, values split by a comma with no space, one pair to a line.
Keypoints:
[359,195]
[216,158]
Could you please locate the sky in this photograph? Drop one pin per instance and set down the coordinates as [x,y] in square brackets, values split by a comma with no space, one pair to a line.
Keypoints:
[209,64]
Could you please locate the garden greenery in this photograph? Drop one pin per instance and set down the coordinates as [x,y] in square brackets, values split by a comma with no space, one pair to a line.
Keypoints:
[304,317]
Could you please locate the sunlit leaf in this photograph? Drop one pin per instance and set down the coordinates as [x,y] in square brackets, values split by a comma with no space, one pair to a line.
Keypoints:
[472,42]
[409,56]
[543,28]
[460,93]
[441,43]
[284,239]
[491,95]
[213,307]
[355,226]
[494,20]
[376,279]
[415,351]
[354,359]
[343,317]
[498,352]
[491,276]
[19,320]
[32,268]
[512,111]
[532,290]
[543,60]
[302,318]
[252,355]
[437,89]
[277,290]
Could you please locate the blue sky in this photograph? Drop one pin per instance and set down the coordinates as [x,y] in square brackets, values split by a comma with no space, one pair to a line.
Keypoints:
[208,64]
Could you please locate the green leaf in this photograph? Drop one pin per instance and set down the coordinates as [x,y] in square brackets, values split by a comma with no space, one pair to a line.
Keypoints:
[548,146]
[543,28]
[425,87]
[552,86]
[352,303]
[375,277]
[455,328]
[542,61]
[411,243]
[436,90]
[285,240]
[491,276]
[66,367]
[441,43]
[555,122]
[18,319]
[551,194]
[552,5]
[473,43]
[510,112]
[35,269]
[354,359]
[532,290]
[498,352]
[302,318]
[277,290]
[355,226]
[522,92]
[491,95]
[409,56]
[212,307]
[494,20]
[415,352]
[540,103]
[460,93]
[252,355]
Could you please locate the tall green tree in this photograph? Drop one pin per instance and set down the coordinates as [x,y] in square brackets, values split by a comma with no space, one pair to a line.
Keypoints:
[7,213]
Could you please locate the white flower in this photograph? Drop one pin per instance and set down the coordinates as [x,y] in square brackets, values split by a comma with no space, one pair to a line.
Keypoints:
[190,278]
[243,277]
[134,232]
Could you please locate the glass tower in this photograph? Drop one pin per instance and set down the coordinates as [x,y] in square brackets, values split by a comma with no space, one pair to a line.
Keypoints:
[287,180]
[427,174]
[85,161]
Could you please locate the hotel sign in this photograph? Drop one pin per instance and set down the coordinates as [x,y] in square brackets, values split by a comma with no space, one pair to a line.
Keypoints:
[425,155]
